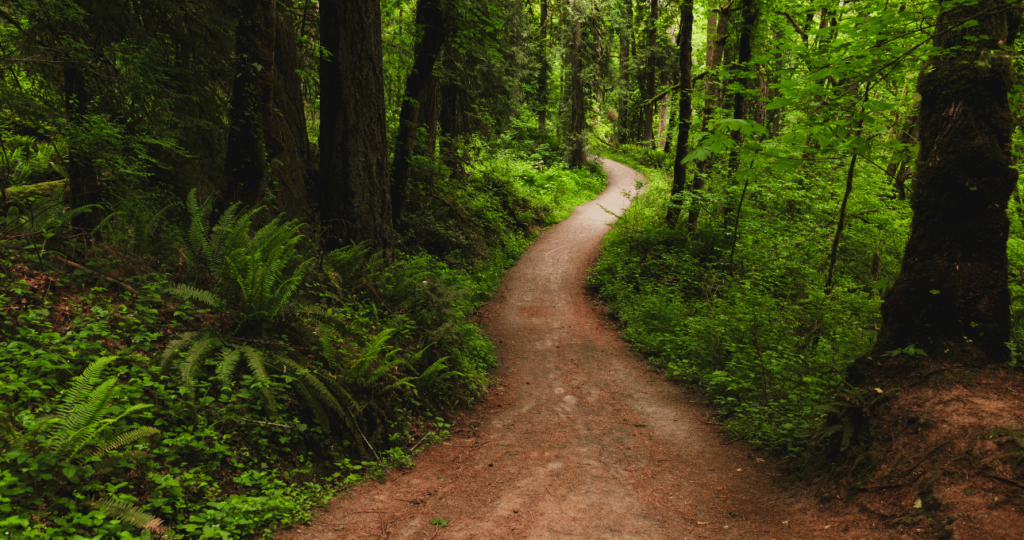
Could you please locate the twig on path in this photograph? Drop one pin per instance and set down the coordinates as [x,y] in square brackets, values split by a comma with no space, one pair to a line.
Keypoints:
[421,440]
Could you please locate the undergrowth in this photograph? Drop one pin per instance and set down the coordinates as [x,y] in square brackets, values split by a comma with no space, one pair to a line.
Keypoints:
[763,339]
[223,383]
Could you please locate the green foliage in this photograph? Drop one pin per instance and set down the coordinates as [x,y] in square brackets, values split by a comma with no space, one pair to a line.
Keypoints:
[765,341]
[252,273]
[76,441]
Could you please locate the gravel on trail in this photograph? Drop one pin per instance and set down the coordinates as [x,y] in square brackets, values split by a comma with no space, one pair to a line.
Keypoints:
[578,438]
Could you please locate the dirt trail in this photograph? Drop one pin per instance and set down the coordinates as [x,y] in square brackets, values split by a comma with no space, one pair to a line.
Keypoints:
[579,439]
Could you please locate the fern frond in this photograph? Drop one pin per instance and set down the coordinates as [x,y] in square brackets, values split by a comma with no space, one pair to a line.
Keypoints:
[88,410]
[198,352]
[228,364]
[178,345]
[83,386]
[127,437]
[257,366]
[194,294]
[386,366]
[130,513]
[108,462]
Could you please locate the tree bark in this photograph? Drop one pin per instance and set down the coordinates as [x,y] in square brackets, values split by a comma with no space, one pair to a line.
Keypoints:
[431,17]
[287,137]
[578,120]
[650,71]
[625,32]
[450,120]
[739,111]
[951,297]
[354,200]
[718,33]
[685,110]
[545,67]
[83,183]
[252,105]
[429,109]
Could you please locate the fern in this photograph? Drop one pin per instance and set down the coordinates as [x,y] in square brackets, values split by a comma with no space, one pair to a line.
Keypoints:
[131,514]
[193,294]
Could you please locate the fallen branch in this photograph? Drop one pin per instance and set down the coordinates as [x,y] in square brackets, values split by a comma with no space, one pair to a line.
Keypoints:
[93,272]
[263,423]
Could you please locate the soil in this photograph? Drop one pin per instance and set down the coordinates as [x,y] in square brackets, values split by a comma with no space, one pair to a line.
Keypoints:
[578,438]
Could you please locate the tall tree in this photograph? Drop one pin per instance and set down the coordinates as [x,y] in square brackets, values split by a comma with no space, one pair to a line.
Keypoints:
[353,195]
[685,109]
[739,75]
[625,38]
[718,33]
[82,180]
[545,68]
[650,73]
[252,105]
[578,120]
[951,297]
[287,136]
[430,17]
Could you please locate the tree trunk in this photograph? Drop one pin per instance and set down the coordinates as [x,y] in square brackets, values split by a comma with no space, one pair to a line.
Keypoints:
[685,110]
[429,109]
[739,111]
[355,203]
[431,17]
[545,67]
[450,121]
[287,138]
[83,183]
[649,73]
[625,32]
[951,297]
[718,33]
[899,167]
[578,120]
[252,106]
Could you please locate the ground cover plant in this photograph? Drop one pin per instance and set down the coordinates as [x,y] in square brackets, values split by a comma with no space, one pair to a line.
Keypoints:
[764,340]
[225,384]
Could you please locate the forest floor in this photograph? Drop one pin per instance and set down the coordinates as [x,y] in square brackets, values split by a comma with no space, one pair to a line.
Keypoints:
[578,438]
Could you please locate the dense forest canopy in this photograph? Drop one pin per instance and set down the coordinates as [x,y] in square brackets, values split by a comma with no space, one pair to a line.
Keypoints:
[294,206]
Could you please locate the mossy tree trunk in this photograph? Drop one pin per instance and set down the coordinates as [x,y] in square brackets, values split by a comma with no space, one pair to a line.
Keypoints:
[951,297]
[354,197]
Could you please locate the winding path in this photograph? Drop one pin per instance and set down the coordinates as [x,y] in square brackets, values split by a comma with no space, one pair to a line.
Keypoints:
[580,440]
